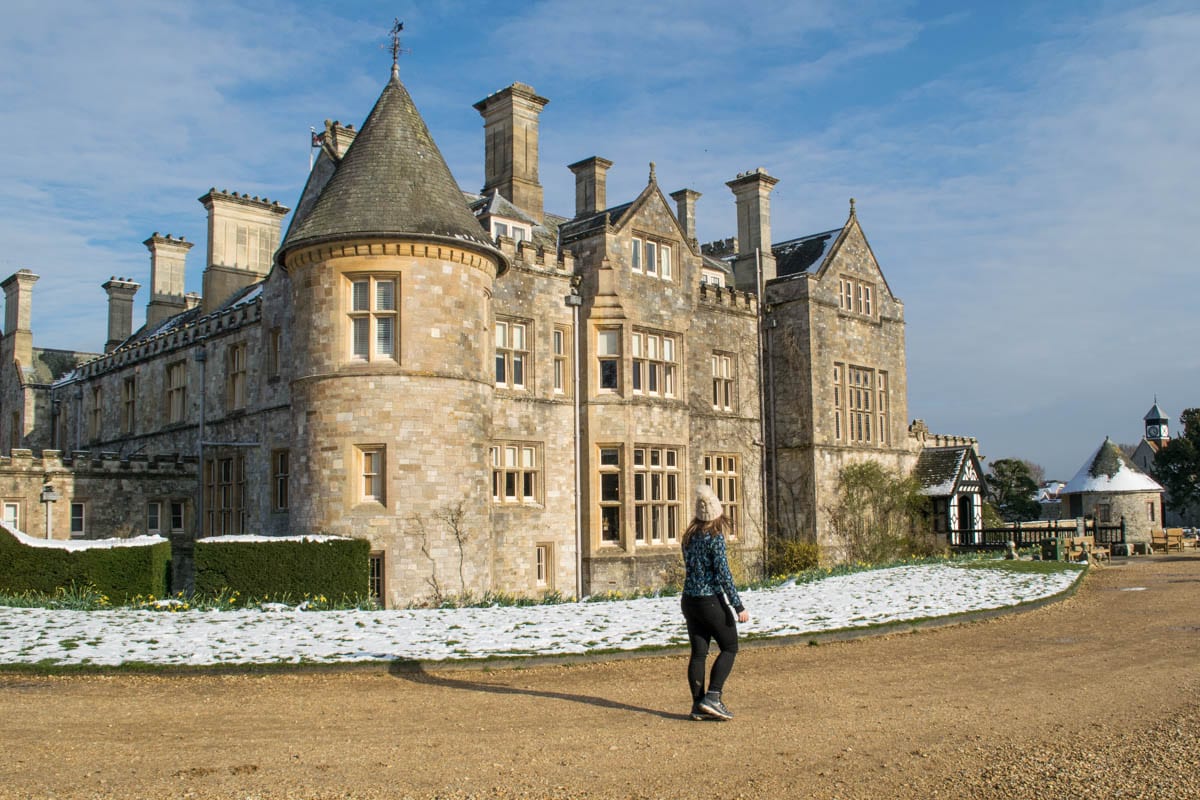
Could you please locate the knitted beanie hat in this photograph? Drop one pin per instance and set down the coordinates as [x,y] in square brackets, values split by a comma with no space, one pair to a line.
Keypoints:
[708,505]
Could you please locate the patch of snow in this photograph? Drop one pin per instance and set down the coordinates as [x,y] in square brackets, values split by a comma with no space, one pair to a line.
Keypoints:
[289,634]
[84,544]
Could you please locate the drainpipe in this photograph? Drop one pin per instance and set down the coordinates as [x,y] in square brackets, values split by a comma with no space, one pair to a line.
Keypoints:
[201,356]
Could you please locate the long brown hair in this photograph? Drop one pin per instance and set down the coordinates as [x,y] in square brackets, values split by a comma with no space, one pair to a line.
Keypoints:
[713,527]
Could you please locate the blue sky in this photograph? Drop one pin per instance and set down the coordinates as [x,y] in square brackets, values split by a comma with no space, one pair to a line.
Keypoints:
[1026,172]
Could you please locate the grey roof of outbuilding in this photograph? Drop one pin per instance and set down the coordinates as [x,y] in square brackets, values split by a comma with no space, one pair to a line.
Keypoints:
[938,468]
[393,181]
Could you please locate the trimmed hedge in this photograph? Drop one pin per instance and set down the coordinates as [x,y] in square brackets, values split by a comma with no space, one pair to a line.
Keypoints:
[118,572]
[339,569]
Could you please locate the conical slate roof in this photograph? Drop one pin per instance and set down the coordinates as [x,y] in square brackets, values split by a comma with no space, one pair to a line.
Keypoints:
[1110,470]
[392,182]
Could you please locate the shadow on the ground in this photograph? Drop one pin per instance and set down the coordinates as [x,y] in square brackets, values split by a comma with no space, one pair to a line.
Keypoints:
[415,672]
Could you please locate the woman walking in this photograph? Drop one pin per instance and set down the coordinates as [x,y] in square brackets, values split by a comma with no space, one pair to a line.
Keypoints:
[708,593]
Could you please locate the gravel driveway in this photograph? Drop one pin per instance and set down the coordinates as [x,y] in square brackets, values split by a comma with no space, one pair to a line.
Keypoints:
[1095,696]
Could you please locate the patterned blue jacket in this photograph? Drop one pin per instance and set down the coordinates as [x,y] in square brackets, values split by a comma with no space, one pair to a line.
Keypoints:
[708,569]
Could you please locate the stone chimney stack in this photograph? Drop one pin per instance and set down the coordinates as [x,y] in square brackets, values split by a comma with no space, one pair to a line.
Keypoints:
[510,130]
[243,234]
[18,314]
[168,257]
[752,191]
[337,138]
[120,310]
[685,204]
[591,175]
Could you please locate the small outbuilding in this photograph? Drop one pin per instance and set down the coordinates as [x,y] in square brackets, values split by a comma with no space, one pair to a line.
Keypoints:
[1109,487]
[951,477]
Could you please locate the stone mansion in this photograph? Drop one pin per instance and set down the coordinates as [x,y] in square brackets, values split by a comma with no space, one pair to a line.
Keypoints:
[496,397]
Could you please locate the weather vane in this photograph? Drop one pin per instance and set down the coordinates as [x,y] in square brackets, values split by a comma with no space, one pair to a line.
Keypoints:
[397,26]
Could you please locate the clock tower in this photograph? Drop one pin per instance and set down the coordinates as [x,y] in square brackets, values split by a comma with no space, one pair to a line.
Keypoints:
[1156,426]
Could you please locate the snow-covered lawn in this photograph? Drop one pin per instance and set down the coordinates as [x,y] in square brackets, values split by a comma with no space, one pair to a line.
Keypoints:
[288,635]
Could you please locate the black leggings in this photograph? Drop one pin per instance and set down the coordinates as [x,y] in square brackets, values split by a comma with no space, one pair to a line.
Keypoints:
[709,618]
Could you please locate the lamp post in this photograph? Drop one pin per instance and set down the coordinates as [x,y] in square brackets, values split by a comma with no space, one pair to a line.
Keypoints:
[575,302]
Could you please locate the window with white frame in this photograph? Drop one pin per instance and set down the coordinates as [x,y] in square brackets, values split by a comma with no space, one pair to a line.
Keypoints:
[518,233]
[721,473]
[712,279]
[12,515]
[543,565]
[656,506]
[608,354]
[562,359]
[78,519]
[176,395]
[516,472]
[856,296]
[176,515]
[512,353]
[651,258]
[128,405]
[610,495]
[653,364]
[154,517]
[723,381]
[235,376]
[373,316]
[371,468]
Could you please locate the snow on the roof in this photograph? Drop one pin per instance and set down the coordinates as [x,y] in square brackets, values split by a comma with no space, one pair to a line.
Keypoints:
[1110,470]
[247,537]
[83,544]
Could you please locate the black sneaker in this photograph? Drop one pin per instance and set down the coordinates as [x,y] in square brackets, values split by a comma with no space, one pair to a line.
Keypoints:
[713,707]
[697,714]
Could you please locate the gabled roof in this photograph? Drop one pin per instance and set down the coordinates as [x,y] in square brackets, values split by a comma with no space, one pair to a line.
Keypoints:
[938,469]
[582,226]
[805,254]
[1108,469]
[392,182]
[616,215]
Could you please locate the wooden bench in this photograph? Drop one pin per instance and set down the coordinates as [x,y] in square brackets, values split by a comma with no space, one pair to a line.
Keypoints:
[1075,546]
[1166,539]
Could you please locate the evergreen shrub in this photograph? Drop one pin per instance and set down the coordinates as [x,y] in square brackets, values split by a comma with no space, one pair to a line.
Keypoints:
[118,572]
[791,556]
[337,569]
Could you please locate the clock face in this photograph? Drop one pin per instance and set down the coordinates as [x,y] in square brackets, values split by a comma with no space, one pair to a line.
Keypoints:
[1152,431]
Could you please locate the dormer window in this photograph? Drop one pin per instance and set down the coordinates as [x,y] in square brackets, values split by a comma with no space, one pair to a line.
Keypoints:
[518,233]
